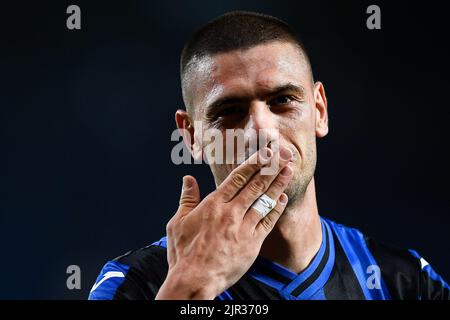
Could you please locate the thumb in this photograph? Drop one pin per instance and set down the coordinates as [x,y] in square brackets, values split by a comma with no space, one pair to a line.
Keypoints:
[190,193]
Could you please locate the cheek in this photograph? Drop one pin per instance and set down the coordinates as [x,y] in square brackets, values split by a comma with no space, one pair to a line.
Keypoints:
[299,130]
[298,121]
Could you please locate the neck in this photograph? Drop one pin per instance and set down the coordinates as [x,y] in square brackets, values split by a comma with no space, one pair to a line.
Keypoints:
[297,236]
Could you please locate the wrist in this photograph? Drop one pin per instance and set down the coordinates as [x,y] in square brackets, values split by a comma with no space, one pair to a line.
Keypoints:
[182,286]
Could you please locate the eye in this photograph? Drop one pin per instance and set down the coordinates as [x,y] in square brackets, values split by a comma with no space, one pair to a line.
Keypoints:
[233,110]
[281,100]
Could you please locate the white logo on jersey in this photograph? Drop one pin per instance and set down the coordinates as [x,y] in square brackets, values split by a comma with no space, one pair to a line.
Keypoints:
[106,276]
[423,262]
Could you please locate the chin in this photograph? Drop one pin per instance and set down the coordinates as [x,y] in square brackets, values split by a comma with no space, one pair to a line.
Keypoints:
[297,188]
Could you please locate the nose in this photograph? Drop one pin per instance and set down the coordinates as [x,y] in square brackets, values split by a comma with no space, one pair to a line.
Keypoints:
[261,121]
[260,116]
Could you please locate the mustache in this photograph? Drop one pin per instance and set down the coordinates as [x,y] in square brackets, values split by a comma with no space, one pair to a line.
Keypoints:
[273,145]
[252,148]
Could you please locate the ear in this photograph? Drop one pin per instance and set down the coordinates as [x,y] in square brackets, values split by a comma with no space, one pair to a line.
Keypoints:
[321,110]
[187,130]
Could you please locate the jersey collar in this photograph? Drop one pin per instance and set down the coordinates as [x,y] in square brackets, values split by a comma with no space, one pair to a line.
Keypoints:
[303,286]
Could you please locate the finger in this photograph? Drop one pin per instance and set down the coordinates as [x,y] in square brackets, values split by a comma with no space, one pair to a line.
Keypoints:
[267,223]
[260,182]
[240,176]
[189,199]
[274,192]
[190,195]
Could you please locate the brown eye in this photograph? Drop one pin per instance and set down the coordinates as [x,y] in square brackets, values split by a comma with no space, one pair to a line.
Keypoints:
[281,100]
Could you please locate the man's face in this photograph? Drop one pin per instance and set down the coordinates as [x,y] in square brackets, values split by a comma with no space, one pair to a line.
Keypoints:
[269,87]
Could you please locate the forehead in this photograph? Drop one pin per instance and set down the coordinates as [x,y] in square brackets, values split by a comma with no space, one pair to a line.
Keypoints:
[248,72]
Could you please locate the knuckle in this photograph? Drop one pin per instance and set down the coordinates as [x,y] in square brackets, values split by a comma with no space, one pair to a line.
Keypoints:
[275,213]
[188,200]
[257,186]
[266,223]
[279,183]
[238,179]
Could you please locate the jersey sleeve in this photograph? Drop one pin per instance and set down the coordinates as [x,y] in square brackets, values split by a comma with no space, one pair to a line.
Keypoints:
[137,275]
[432,286]
[111,277]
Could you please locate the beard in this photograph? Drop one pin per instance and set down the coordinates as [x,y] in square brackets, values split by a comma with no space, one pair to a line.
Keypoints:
[297,187]
[303,174]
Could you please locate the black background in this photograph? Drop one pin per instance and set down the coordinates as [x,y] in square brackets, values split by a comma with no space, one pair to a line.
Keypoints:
[86,118]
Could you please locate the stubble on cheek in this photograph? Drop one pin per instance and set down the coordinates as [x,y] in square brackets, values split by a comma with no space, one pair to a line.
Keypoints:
[303,172]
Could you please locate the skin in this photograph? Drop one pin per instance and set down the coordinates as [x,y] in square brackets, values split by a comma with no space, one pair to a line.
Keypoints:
[213,242]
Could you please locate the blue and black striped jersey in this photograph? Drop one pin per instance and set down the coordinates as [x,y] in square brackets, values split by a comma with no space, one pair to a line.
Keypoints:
[348,265]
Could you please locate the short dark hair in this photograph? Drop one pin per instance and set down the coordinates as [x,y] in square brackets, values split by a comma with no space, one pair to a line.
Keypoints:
[237,30]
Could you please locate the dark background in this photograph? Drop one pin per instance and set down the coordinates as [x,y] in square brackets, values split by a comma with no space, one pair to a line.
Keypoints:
[86,118]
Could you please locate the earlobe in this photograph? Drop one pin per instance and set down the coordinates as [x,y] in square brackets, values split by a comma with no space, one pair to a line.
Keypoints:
[321,110]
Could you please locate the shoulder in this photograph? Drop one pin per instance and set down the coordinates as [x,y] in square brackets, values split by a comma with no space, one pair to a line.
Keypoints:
[137,274]
[404,272]
[152,256]
[407,273]
[394,257]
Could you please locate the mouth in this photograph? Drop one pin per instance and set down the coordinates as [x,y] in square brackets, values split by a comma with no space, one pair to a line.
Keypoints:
[276,146]
[249,151]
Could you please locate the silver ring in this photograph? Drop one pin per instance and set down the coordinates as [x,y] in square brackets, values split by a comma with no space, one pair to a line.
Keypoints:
[264,205]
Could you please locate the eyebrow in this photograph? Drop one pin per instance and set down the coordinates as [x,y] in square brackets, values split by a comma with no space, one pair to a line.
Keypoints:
[236,99]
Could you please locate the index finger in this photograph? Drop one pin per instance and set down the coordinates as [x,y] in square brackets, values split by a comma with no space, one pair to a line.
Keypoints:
[240,176]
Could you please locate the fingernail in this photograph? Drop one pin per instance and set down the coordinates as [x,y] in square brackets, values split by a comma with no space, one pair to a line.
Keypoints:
[285,153]
[287,171]
[283,198]
[187,183]
[265,155]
